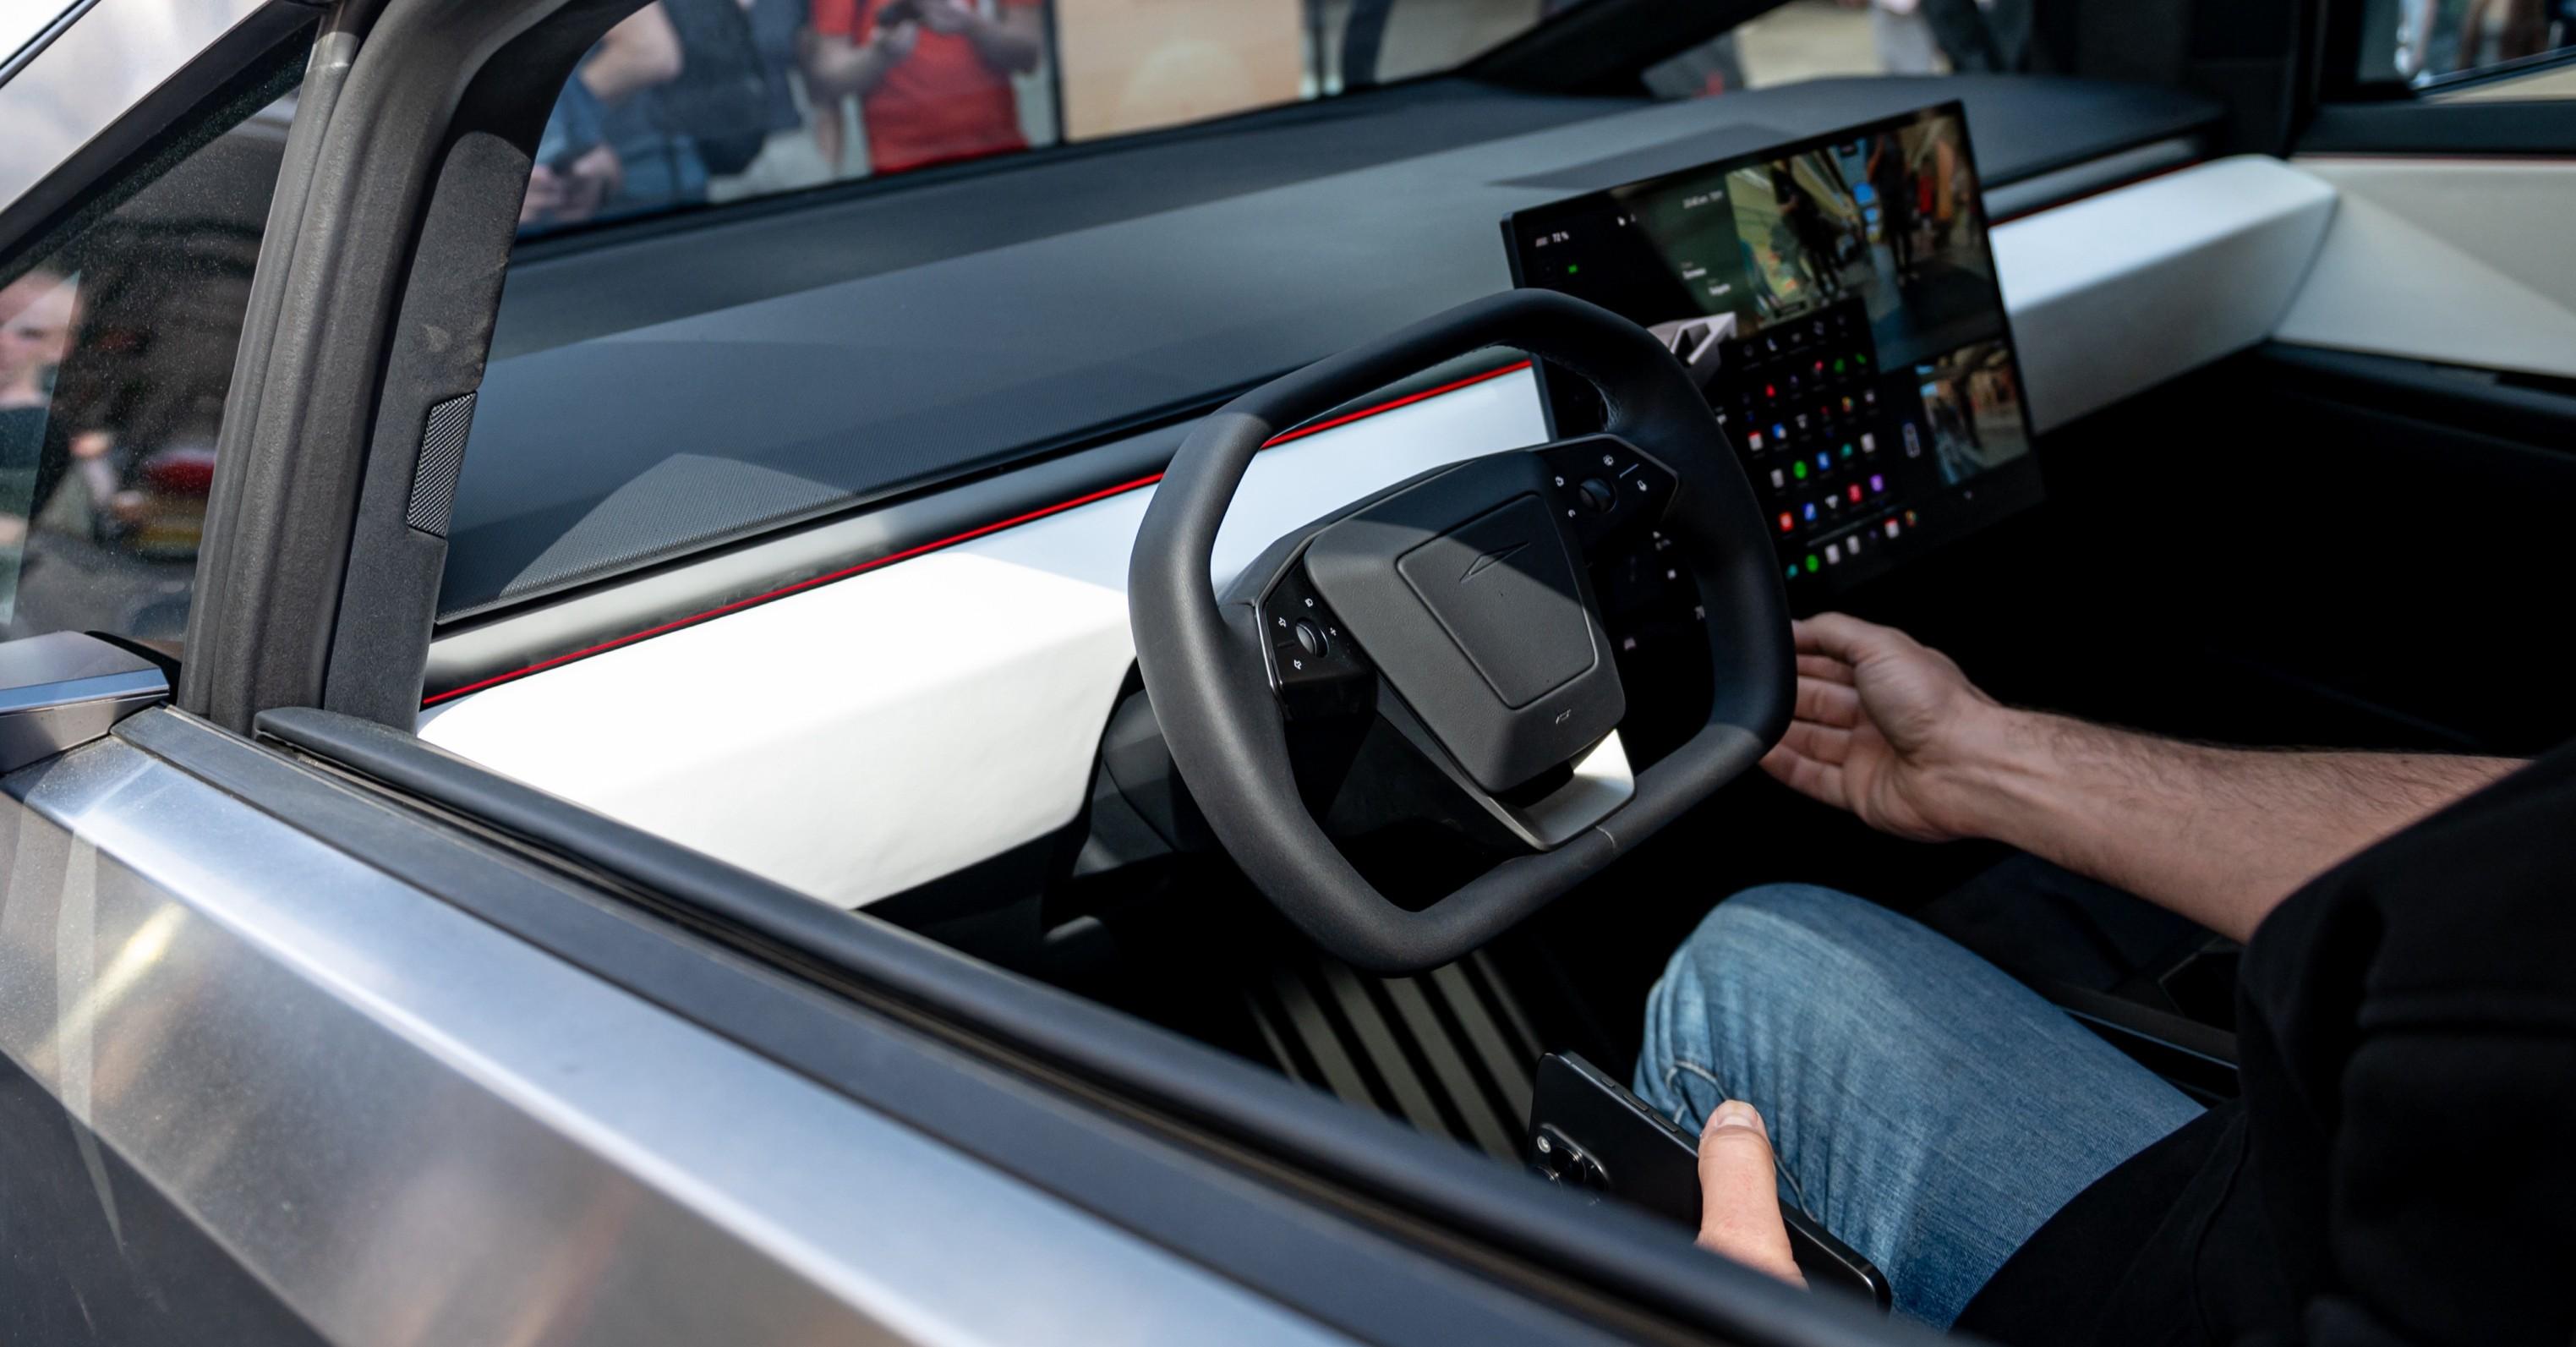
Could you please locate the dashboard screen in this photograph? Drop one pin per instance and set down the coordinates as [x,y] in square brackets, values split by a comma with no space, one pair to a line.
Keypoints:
[1835,299]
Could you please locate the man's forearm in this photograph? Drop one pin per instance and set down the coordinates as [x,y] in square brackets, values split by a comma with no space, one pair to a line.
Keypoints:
[2219,835]
[643,50]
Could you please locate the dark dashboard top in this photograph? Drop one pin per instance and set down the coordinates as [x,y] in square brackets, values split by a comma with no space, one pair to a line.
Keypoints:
[934,334]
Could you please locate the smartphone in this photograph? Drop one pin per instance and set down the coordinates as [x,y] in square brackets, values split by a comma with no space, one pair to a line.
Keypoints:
[1587,1131]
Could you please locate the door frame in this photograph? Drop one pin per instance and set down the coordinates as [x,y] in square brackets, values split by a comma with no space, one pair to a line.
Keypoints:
[372,309]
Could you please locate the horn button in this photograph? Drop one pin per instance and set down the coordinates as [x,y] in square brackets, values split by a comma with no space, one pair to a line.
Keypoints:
[1468,594]
[1503,588]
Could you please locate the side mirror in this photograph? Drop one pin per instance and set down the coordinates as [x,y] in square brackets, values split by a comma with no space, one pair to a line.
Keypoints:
[67,688]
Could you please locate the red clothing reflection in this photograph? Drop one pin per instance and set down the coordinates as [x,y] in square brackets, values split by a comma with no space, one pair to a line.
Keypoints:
[942,102]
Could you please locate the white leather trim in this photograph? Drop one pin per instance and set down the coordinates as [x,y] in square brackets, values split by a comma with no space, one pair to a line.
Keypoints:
[859,738]
[2465,262]
[2117,293]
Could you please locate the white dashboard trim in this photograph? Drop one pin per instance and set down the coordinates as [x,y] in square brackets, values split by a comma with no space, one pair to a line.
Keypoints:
[2461,262]
[2117,293]
[861,737]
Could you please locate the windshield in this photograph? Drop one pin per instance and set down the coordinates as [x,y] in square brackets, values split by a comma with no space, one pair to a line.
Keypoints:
[690,102]
[657,392]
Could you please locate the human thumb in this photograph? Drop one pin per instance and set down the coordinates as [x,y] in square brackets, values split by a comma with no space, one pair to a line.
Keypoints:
[1739,1214]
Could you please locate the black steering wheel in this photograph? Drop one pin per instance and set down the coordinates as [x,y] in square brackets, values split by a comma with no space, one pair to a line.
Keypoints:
[1459,604]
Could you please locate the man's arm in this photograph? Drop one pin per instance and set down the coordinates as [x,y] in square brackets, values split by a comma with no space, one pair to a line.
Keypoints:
[641,51]
[2219,835]
[1894,732]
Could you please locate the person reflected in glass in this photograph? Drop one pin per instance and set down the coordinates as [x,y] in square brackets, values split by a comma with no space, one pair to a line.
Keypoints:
[1894,189]
[798,142]
[581,170]
[932,77]
[1812,241]
[38,312]
[2493,32]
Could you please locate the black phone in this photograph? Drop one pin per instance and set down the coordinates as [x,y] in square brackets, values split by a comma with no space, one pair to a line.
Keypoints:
[1588,1132]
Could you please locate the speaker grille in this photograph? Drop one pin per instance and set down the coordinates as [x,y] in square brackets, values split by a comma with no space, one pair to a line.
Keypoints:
[442,457]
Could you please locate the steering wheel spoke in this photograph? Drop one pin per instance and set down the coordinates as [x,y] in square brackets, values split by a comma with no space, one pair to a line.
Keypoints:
[1315,667]
[1557,807]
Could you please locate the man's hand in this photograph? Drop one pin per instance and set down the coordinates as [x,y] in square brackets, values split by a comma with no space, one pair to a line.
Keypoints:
[588,182]
[836,67]
[894,45]
[574,194]
[545,195]
[946,16]
[1893,732]
[1739,1194]
[1881,722]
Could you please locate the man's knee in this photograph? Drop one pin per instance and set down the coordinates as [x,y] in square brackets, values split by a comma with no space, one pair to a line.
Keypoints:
[1768,930]
[1763,951]
[1760,971]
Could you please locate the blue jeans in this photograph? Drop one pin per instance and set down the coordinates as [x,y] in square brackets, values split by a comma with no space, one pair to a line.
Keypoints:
[1928,1109]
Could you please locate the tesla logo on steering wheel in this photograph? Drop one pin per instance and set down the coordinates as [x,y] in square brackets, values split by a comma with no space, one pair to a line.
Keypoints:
[1490,560]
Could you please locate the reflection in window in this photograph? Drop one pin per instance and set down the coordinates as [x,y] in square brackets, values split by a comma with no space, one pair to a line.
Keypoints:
[1815,39]
[2425,41]
[116,351]
[689,101]
[37,311]
[694,101]
[931,77]
[1133,65]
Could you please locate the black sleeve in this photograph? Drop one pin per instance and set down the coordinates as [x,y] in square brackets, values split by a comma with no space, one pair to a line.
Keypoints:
[2410,1060]
[2452,1206]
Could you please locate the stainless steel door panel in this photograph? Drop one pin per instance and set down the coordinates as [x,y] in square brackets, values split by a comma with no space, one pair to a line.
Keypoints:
[416,1128]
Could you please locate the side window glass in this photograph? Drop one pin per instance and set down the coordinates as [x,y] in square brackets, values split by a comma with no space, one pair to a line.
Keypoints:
[2427,43]
[689,103]
[116,353]
[1814,39]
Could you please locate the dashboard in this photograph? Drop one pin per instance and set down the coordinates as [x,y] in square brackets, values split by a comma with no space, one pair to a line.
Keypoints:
[884,722]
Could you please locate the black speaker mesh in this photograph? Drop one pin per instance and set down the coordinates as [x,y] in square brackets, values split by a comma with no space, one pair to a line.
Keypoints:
[442,457]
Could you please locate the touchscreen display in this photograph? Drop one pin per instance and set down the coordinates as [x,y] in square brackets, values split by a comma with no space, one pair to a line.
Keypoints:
[1835,299]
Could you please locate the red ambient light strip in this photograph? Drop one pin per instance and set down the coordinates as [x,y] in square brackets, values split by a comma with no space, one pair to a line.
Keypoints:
[951,540]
